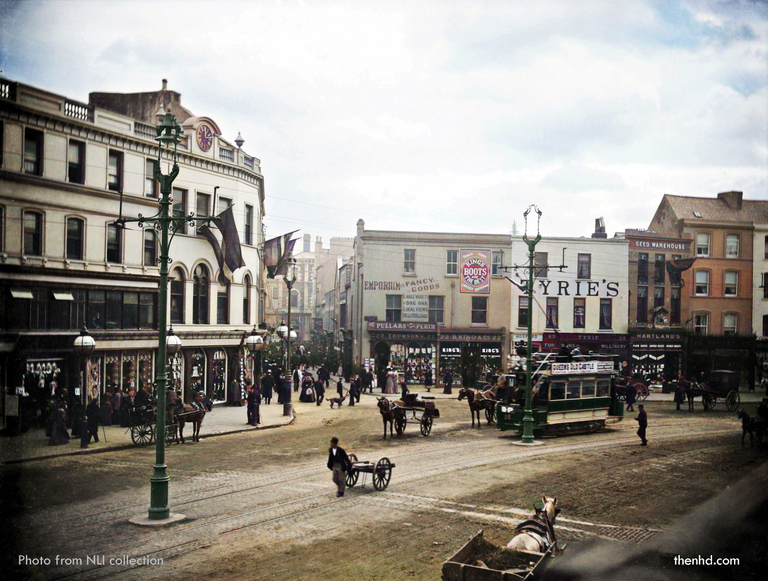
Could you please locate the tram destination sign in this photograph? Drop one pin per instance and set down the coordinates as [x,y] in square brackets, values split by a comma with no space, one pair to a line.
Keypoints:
[581,367]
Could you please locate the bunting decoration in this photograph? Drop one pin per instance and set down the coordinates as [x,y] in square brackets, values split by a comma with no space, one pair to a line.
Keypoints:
[276,251]
[228,253]
[676,267]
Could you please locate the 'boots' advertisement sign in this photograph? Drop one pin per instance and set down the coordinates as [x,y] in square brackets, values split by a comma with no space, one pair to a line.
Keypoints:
[475,271]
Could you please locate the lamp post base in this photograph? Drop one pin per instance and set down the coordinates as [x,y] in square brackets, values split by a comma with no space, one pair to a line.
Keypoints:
[158,494]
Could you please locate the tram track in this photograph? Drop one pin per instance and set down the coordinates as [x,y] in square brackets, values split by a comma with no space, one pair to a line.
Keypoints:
[316,504]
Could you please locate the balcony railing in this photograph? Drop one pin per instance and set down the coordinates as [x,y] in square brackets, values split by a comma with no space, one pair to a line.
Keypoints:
[144,130]
[78,110]
[227,154]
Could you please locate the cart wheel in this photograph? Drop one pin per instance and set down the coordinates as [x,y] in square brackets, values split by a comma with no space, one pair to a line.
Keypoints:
[490,414]
[351,478]
[642,393]
[732,400]
[709,402]
[382,472]
[141,434]
[170,434]
[400,426]
[426,425]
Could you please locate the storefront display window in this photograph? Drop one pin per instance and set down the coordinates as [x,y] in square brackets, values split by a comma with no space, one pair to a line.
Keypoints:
[129,372]
[197,381]
[219,384]
[113,371]
[420,358]
[146,375]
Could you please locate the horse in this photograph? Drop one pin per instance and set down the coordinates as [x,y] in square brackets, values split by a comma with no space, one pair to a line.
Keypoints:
[755,427]
[188,414]
[388,413]
[537,533]
[476,403]
[691,391]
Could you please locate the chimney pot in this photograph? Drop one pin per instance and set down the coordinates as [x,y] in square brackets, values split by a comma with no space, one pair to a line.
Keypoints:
[165,84]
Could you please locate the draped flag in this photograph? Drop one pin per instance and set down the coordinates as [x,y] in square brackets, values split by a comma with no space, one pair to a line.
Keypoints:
[676,267]
[276,251]
[228,253]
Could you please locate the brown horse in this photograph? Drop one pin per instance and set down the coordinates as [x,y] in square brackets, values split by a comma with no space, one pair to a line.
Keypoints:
[387,412]
[476,404]
[188,414]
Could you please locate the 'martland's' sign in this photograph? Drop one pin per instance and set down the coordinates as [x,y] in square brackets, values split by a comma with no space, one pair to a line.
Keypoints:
[581,367]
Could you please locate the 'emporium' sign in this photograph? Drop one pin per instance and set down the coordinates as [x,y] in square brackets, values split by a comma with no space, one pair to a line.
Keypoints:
[475,271]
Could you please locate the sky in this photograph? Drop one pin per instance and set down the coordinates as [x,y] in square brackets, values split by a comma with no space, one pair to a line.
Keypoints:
[437,116]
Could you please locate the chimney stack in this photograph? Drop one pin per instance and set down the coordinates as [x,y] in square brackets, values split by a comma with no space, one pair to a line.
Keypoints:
[731,199]
[165,84]
[599,228]
[318,245]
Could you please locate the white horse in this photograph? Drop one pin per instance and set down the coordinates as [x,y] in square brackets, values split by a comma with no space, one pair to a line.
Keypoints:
[537,533]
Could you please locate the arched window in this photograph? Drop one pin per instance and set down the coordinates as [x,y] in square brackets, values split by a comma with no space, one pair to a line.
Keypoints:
[222,305]
[33,233]
[247,300]
[75,238]
[294,299]
[177,296]
[200,280]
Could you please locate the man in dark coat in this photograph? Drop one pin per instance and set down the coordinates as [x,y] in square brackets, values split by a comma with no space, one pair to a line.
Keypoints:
[365,380]
[142,398]
[339,464]
[642,420]
[428,379]
[250,399]
[447,382]
[631,396]
[340,387]
[93,412]
[319,390]
[267,383]
[353,387]
[680,389]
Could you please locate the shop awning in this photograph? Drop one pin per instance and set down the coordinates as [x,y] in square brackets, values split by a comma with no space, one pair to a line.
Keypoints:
[63,296]
[21,294]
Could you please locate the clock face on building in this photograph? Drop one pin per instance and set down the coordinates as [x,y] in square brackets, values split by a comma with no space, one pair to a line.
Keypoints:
[204,137]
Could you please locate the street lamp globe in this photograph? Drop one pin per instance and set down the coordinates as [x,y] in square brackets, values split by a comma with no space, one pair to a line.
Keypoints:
[254,342]
[282,330]
[293,334]
[84,343]
[172,343]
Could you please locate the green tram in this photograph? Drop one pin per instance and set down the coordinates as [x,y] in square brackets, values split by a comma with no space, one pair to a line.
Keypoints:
[567,398]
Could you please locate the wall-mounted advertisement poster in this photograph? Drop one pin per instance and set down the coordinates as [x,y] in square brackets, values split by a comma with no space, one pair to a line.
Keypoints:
[475,271]
[415,308]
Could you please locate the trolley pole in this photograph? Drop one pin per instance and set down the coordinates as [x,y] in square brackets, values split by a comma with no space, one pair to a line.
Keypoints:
[528,413]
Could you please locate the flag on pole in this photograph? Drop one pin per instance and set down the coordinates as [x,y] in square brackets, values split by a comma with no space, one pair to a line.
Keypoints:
[276,251]
[676,267]
[228,253]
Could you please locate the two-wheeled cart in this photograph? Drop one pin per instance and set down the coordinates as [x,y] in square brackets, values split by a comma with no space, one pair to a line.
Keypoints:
[380,471]
[416,408]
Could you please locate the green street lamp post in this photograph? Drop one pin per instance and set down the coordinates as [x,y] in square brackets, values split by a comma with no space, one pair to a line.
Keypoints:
[528,413]
[287,333]
[165,225]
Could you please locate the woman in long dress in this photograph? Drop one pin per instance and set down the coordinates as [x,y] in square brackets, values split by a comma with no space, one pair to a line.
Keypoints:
[391,385]
[307,389]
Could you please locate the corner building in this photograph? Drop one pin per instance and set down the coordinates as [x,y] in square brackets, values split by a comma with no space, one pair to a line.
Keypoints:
[67,171]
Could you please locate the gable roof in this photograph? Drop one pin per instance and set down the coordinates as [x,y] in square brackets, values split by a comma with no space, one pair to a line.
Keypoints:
[717,210]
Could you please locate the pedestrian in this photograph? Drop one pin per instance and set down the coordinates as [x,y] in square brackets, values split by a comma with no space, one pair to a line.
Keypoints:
[338,463]
[447,382]
[680,389]
[116,397]
[631,396]
[319,390]
[105,410]
[352,392]
[340,387]
[642,420]
[267,383]
[358,387]
[59,434]
[255,406]
[428,381]
[250,398]
[93,412]
[404,389]
[365,381]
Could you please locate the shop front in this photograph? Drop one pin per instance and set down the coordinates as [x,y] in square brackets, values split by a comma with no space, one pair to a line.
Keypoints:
[471,354]
[657,354]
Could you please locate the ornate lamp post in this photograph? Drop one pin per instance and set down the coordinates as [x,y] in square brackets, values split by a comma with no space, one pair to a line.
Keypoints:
[255,344]
[84,346]
[528,413]
[165,226]
[288,334]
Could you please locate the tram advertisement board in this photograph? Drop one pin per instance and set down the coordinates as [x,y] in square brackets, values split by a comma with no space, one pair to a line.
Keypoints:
[475,271]
[579,367]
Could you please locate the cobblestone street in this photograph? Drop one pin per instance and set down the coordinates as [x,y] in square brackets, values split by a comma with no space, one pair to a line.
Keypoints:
[260,505]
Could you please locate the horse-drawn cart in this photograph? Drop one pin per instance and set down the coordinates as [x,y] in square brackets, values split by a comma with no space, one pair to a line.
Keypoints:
[381,472]
[143,426]
[416,409]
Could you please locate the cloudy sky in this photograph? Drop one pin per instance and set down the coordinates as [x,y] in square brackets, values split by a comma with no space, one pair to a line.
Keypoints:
[437,116]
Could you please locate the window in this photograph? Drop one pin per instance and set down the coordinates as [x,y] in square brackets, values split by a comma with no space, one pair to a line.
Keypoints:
[642,304]
[552,313]
[150,183]
[702,244]
[97,314]
[223,204]
[642,268]
[180,206]
[675,307]
[540,260]
[584,266]
[675,280]
[59,310]
[452,262]
[436,309]
[130,310]
[115,171]
[222,305]
[76,160]
[732,246]
[39,314]
[764,285]
[77,311]
[730,324]
[248,238]
[658,269]
[247,300]
[177,296]
[114,309]
[701,323]
[730,283]
[150,247]
[409,261]
[479,310]
[33,152]
[606,313]
[579,313]
[200,295]
[658,297]
[702,283]
[522,312]
[295,299]
[33,234]
[75,238]
[394,308]
[203,206]
[114,243]
[498,261]
[146,311]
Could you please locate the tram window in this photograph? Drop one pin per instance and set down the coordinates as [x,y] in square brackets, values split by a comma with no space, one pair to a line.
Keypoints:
[574,390]
[557,390]
[588,389]
[603,387]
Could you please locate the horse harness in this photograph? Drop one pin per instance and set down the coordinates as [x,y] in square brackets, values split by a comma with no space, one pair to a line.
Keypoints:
[540,529]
